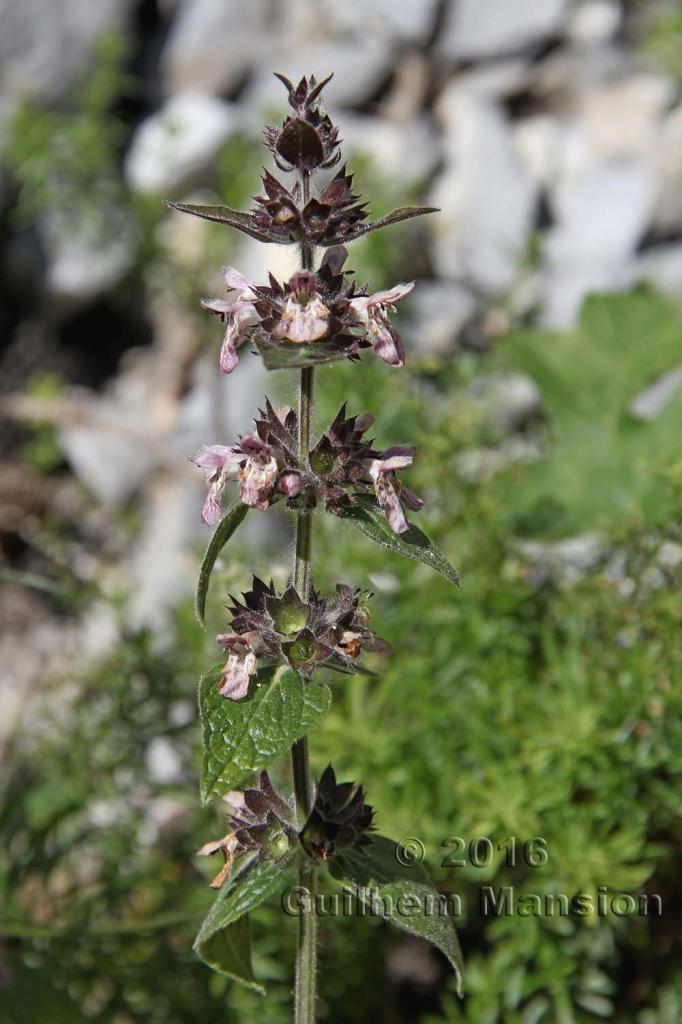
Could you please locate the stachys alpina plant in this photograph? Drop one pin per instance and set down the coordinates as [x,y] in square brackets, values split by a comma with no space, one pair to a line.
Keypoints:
[267,694]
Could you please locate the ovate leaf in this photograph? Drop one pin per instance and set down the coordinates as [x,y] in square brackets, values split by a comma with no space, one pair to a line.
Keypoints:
[402,894]
[224,530]
[366,515]
[228,950]
[224,939]
[244,736]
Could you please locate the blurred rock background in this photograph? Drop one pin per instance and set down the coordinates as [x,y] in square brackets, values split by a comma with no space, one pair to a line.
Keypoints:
[549,133]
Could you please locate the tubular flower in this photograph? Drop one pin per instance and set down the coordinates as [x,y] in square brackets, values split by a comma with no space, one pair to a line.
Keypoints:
[264,463]
[240,316]
[260,821]
[220,464]
[273,628]
[389,491]
[340,818]
[370,312]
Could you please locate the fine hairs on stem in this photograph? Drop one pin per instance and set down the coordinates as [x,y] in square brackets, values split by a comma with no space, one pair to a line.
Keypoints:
[306,947]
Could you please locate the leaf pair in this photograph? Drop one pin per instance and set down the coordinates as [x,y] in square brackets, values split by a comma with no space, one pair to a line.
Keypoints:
[405,896]
[249,225]
[364,514]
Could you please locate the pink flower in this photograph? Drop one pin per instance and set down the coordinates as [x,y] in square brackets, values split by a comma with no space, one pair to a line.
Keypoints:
[219,464]
[389,491]
[370,311]
[259,472]
[305,317]
[240,316]
[240,666]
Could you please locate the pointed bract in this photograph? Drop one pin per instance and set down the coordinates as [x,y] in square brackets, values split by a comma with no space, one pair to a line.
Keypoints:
[340,818]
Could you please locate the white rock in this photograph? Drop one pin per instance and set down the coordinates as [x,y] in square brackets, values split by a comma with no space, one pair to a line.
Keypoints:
[601,215]
[485,28]
[498,79]
[46,47]
[621,119]
[99,631]
[648,404]
[669,555]
[652,579]
[359,65]
[538,140]
[661,266]
[405,19]
[438,310]
[106,813]
[159,572]
[563,562]
[594,22]
[81,267]
[164,764]
[480,464]
[667,157]
[407,151]
[111,451]
[486,198]
[506,401]
[178,143]
[213,43]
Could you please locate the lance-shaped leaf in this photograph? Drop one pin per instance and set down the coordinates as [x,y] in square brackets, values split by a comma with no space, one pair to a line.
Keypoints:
[366,515]
[290,356]
[402,894]
[219,214]
[224,939]
[244,736]
[346,666]
[403,213]
[224,530]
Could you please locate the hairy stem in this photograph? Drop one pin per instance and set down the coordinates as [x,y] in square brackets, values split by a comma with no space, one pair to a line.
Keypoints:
[306,949]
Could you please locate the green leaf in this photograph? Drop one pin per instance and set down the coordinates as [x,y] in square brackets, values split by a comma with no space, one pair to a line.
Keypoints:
[403,213]
[366,515]
[224,530]
[224,939]
[346,666]
[601,465]
[228,950]
[402,894]
[232,218]
[244,736]
[289,356]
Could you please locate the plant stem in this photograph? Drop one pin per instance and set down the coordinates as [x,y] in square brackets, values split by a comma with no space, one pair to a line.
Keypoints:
[306,949]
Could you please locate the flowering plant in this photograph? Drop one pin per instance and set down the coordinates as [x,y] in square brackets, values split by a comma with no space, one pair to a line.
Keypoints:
[269,691]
